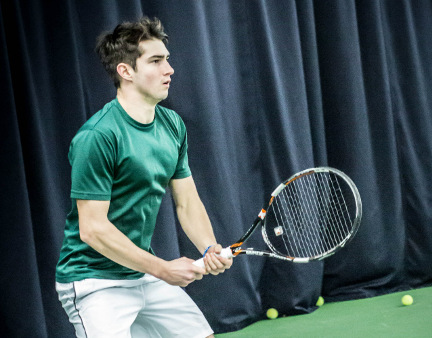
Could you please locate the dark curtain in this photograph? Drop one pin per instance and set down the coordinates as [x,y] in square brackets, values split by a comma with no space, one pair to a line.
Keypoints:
[266,88]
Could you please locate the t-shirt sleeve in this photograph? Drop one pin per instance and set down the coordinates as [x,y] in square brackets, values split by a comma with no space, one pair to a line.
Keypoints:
[91,156]
[182,168]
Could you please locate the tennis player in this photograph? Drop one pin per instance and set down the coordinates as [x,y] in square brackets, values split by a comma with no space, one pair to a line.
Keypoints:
[123,158]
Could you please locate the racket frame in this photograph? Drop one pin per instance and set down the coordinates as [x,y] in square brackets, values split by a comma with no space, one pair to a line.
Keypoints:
[236,248]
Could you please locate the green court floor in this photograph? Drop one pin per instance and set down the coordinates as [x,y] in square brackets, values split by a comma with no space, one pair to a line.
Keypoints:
[382,316]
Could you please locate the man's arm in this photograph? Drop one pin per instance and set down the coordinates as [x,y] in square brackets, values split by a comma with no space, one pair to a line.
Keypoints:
[196,223]
[98,232]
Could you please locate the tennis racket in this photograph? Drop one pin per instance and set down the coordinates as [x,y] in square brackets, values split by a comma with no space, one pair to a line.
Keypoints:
[309,217]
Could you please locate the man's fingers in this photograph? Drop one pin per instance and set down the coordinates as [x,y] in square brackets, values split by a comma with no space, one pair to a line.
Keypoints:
[214,264]
[199,270]
[210,260]
[217,248]
[227,262]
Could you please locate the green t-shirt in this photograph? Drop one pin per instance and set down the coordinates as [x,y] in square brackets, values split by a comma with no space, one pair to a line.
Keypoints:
[115,158]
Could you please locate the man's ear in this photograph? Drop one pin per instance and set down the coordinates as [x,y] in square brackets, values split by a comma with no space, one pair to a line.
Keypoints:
[125,71]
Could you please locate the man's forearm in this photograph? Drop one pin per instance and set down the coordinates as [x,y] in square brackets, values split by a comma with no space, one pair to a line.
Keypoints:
[196,225]
[105,238]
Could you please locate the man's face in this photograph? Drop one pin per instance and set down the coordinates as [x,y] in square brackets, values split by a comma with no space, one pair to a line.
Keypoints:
[152,76]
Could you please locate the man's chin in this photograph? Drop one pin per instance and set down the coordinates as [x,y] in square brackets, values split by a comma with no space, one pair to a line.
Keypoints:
[163,97]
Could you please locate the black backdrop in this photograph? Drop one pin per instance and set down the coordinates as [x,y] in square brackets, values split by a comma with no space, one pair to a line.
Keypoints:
[266,88]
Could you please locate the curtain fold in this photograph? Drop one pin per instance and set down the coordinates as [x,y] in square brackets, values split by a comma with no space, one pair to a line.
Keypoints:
[266,89]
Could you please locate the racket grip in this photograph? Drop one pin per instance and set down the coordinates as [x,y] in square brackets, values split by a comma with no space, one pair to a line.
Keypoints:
[226,253]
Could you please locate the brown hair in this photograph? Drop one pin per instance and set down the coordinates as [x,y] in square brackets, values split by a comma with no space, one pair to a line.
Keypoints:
[122,44]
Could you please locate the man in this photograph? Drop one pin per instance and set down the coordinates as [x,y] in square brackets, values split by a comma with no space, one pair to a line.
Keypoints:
[109,281]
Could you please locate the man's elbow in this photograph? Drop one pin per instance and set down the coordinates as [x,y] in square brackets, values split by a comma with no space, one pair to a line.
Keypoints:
[88,233]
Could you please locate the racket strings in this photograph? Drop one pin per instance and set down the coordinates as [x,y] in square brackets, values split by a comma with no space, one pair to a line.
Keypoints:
[333,226]
[340,211]
[309,235]
[313,220]
[290,240]
[302,235]
[333,217]
[297,240]
[314,215]
[328,214]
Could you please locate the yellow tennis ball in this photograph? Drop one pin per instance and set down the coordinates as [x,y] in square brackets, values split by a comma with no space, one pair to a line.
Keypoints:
[407,300]
[320,301]
[272,313]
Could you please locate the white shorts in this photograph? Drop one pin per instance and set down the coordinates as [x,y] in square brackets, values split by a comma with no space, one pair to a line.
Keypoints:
[147,307]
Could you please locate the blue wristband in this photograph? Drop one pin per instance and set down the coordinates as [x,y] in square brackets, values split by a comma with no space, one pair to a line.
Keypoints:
[205,251]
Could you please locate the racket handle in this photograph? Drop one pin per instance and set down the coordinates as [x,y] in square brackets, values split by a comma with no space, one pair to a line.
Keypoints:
[225,253]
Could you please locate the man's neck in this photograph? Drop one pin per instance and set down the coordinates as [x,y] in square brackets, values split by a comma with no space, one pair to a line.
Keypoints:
[136,106]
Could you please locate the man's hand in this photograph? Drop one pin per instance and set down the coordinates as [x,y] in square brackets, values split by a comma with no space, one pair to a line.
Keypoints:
[180,272]
[215,264]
